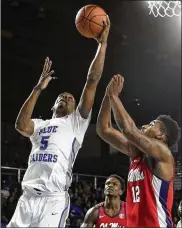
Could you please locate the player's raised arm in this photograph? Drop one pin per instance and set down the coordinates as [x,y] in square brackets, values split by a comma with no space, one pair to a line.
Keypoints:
[94,73]
[23,123]
[90,217]
[147,145]
[110,135]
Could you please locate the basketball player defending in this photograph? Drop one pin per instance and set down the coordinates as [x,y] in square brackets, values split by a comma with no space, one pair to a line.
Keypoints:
[112,212]
[150,179]
[55,144]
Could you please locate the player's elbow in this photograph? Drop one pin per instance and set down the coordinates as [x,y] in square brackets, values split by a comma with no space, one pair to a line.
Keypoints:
[99,127]
[101,130]
[22,130]
[18,126]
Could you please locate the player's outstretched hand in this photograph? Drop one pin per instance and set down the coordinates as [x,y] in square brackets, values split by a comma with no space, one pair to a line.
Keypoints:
[104,35]
[115,86]
[46,75]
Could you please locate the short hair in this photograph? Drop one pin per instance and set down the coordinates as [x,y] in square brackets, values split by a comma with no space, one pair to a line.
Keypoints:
[121,180]
[171,129]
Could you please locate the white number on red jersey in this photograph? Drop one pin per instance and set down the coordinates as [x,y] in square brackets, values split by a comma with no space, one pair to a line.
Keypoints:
[136,194]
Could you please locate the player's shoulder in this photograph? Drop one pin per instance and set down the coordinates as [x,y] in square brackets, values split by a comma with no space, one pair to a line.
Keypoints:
[38,121]
[97,206]
[94,211]
[76,114]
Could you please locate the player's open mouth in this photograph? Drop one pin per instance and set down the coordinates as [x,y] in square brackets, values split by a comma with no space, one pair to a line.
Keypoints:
[110,190]
[62,100]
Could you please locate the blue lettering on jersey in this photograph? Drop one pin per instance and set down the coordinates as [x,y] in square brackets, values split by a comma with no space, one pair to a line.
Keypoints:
[43,157]
[49,129]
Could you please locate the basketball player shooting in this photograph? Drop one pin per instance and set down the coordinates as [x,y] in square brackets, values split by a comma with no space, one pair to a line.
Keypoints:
[55,144]
[151,173]
[111,212]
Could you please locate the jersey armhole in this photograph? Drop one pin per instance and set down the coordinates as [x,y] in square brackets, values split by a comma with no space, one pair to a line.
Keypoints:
[97,219]
[152,174]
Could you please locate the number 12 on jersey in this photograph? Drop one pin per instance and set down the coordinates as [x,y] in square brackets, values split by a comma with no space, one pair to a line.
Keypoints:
[136,194]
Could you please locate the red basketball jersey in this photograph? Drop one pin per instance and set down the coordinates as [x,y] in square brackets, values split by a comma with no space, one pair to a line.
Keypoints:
[106,221]
[149,199]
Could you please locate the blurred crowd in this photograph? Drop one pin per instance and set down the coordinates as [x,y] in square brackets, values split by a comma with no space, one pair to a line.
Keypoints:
[83,195]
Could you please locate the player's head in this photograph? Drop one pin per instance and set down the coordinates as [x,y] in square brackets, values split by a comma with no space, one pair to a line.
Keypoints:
[180,209]
[65,104]
[164,128]
[114,186]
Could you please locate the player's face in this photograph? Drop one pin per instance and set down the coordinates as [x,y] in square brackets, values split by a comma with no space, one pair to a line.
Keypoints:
[153,130]
[65,103]
[112,187]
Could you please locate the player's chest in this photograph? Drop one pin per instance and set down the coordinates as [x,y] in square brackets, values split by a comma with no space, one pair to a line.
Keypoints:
[55,132]
[113,222]
[137,172]
[54,128]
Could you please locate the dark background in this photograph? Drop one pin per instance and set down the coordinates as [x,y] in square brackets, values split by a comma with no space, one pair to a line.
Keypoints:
[144,49]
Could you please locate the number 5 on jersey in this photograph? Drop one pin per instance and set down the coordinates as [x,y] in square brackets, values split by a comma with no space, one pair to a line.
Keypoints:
[136,194]
[44,142]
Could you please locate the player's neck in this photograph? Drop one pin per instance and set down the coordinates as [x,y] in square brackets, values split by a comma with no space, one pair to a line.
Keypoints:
[112,202]
[60,115]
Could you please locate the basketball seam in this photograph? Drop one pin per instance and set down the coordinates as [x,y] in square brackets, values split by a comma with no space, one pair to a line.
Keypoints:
[78,22]
[91,11]
[96,23]
[91,29]
[88,19]
[96,16]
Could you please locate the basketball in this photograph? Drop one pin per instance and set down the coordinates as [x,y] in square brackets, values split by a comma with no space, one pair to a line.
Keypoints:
[89,21]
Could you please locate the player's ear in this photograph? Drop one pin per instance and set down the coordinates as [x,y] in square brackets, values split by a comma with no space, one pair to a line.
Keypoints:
[53,109]
[121,192]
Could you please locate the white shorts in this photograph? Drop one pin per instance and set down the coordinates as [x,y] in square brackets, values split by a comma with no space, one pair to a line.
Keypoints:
[41,211]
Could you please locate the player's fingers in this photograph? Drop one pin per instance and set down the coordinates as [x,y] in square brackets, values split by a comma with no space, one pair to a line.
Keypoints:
[119,81]
[121,77]
[49,66]
[115,78]
[104,23]
[45,64]
[108,20]
[47,75]
[50,73]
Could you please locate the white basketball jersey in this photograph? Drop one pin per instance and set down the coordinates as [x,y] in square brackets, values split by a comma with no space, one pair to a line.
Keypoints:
[55,144]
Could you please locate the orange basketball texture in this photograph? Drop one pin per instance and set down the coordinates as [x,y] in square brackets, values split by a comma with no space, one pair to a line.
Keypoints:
[89,21]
